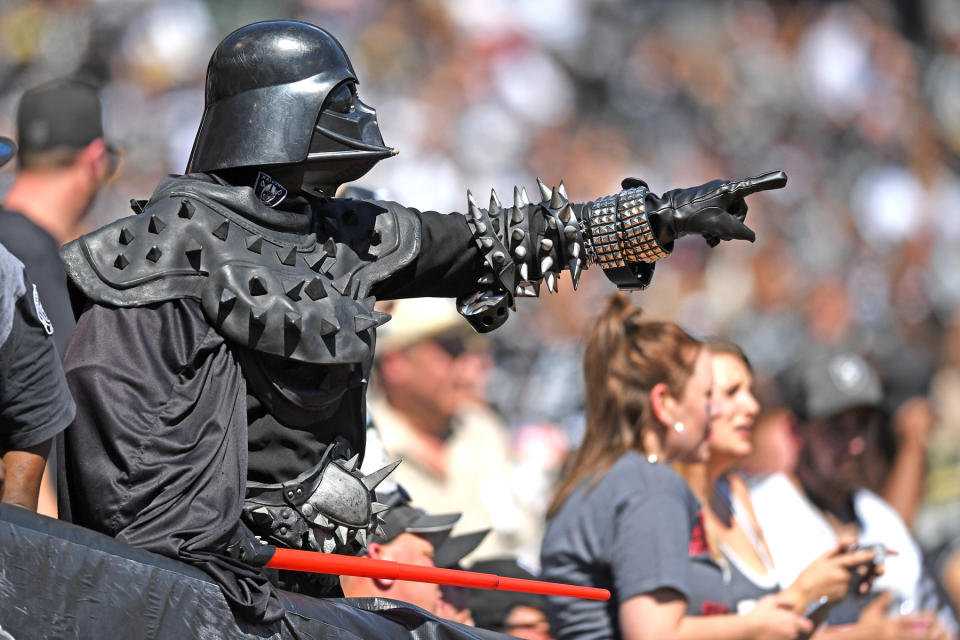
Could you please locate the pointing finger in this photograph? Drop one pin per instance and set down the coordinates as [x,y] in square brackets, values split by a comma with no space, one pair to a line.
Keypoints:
[764,182]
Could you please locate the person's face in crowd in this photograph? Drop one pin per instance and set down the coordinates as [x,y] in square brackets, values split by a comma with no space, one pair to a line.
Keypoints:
[776,447]
[423,372]
[686,431]
[733,408]
[527,622]
[412,549]
[834,447]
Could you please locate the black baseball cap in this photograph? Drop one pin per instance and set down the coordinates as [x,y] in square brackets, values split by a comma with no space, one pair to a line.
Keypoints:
[827,384]
[63,114]
[449,554]
[8,149]
[404,518]
[490,608]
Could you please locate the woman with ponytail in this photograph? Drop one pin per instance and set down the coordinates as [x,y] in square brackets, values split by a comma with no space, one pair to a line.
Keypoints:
[622,519]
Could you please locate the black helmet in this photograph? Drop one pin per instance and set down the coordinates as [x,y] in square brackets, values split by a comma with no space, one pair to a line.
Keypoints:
[283,93]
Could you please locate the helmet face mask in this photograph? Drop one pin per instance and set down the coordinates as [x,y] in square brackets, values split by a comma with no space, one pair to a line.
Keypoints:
[281,97]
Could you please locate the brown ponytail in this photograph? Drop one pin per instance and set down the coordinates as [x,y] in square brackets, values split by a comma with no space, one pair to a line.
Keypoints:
[625,358]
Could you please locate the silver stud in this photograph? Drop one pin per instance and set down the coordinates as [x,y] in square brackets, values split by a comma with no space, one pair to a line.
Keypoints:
[520,251]
[562,190]
[523,195]
[524,271]
[517,234]
[555,201]
[565,213]
[495,205]
[546,244]
[545,264]
[574,249]
[487,242]
[498,257]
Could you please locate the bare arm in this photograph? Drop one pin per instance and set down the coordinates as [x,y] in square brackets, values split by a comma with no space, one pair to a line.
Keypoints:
[903,487]
[23,473]
[659,616]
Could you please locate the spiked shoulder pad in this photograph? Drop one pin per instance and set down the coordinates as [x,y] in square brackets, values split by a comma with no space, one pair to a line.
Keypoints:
[303,296]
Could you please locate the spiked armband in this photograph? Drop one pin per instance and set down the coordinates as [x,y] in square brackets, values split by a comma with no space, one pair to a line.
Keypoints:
[528,244]
[330,508]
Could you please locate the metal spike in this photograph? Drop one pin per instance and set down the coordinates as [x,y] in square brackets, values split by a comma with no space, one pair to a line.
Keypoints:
[495,205]
[186,209]
[293,290]
[486,278]
[520,251]
[546,244]
[524,271]
[487,242]
[342,283]
[481,228]
[154,254]
[341,533]
[292,321]
[563,191]
[379,532]
[378,507]
[223,230]
[317,261]
[371,481]
[498,256]
[575,273]
[361,537]
[545,264]
[527,290]
[471,200]
[287,256]
[362,322]
[126,236]
[552,282]
[523,195]
[555,200]
[352,462]
[551,222]
[193,253]
[254,243]
[320,520]
[517,234]
[330,247]
[257,321]
[566,213]
[121,262]
[156,225]
[381,317]
[574,249]
[315,289]
[517,204]
[227,300]
[544,190]
[327,328]
[570,231]
[256,286]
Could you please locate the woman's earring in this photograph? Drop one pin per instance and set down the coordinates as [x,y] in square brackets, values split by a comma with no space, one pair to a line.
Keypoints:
[652,458]
[678,427]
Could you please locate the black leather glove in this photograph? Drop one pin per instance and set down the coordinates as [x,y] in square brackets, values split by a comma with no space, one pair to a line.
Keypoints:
[714,210]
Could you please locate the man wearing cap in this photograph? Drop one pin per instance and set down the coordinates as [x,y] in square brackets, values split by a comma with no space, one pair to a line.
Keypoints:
[455,450]
[63,162]
[837,399]
[35,403]
[412,536]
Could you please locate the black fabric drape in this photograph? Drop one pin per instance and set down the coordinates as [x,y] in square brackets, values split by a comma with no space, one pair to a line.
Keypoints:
[157,455]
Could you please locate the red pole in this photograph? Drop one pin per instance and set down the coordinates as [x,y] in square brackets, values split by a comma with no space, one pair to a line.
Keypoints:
[336,564]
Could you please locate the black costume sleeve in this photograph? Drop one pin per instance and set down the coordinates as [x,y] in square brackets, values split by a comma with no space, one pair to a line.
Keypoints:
[157,454]
[35,404]
[447,265]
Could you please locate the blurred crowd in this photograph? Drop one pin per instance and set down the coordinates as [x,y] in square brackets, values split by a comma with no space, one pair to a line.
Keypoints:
[856,101]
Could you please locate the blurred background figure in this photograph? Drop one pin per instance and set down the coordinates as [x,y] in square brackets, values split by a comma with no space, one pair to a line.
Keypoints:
[62,164]
[428,402]
[837,399]
[410,535]
[521,615]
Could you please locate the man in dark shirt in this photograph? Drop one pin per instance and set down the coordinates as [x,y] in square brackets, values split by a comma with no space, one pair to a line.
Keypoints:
[35,403]
[63,162]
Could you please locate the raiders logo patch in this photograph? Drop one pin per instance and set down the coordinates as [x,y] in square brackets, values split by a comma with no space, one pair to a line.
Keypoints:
[269,191]
[41,314]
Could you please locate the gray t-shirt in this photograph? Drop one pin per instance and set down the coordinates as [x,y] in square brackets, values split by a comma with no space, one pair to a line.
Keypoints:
[630,533]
